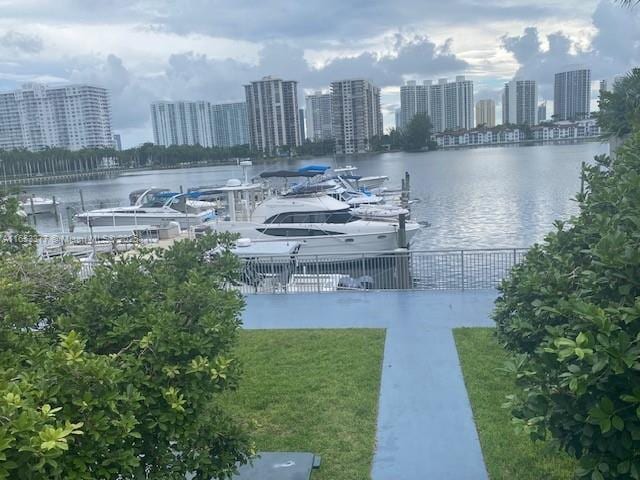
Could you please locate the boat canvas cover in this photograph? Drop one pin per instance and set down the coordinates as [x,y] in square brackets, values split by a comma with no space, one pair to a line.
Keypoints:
[289,174]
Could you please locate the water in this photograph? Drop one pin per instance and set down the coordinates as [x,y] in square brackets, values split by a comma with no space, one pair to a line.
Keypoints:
[475,198]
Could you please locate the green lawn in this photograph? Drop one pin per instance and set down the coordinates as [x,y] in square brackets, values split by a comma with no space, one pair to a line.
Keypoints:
[507,454]
[314,391]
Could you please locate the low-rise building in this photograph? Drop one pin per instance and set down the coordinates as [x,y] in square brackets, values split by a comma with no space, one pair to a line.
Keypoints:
[479,136]
[566,130]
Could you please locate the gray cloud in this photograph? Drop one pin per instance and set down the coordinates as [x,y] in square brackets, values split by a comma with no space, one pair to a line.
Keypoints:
[614,49]
[21,42]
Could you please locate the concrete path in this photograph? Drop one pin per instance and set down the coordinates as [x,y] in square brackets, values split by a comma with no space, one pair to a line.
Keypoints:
[425,424]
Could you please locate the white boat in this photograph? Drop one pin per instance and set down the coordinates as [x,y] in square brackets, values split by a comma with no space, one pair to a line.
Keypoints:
[321,224]
[367,182]
[37,205]
[150,209]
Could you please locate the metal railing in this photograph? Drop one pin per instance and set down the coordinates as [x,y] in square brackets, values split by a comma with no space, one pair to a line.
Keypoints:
[398,270]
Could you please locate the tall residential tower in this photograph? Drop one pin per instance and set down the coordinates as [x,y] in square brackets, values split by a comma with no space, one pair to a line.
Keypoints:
[486,113]
[572,95]
[356,114]
[273,115]
[318,116]
[520,102]
[36,117]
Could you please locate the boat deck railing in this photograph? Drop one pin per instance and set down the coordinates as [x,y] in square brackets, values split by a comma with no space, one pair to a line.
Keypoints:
[395,270]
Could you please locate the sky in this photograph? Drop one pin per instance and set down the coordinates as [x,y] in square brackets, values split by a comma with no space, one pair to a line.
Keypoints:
[148,50]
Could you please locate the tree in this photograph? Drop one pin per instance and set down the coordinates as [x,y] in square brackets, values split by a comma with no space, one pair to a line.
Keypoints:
[417,133]
[118,377]
[570,315]
[15,234]
[620,109]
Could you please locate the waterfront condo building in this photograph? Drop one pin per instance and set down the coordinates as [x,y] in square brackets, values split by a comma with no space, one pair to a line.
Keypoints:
[273,115]
[36,117]
[542,112]
[572,95]
[520,102]
[449,105]
[356,114]
[181,123]
[199,123]
[414,100]
[229,123]
[318,116]
[486,113]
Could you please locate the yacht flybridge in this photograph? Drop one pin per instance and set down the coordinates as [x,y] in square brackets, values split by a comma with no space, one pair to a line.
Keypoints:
[320,223]
[152,207]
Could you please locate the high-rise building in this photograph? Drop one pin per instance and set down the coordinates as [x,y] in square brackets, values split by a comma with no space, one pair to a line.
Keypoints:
[199,123]
[356,113]
[273,115]
[301,120]
[414,99]
[182,123]
[520,102]
[397,114]
[36,117]
[229,123]
[117,142]
[572,95]
[486,113]
[318,116]
[437,104]
[449,105]
[542,112]
[459,106]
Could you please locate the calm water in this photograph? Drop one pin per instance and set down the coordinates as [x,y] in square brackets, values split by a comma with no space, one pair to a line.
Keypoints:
[475,198]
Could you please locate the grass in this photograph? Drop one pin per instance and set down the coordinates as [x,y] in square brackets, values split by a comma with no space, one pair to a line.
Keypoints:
[314,391]
[507,454]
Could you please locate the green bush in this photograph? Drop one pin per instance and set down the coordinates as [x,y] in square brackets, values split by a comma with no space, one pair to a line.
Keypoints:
[570,314]
[119,377]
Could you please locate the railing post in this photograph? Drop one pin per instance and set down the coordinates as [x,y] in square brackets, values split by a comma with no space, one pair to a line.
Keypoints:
[317,268]
[462,267]
[514,258]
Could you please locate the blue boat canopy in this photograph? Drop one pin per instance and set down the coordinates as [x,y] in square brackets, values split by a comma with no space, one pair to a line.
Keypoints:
[314,168]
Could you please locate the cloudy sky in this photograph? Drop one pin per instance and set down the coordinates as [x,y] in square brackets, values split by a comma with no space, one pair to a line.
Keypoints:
[146,50]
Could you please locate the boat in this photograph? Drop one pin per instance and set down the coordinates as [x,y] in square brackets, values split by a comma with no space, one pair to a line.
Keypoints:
[321,224]
[152,208]
[194,197]
[37,205]
[364,182]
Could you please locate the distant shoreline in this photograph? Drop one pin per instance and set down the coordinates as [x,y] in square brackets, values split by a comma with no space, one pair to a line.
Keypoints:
[526,143]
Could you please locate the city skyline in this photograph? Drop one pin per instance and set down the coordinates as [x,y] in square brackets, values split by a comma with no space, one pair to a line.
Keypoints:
[143,52]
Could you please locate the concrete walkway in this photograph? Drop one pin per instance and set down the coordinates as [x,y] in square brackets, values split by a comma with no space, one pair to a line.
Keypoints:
[425,424]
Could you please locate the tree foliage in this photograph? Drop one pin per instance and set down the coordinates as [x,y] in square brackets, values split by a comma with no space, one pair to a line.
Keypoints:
[117,377]
[15,234]
[417,134]
[570,314]
[620,109]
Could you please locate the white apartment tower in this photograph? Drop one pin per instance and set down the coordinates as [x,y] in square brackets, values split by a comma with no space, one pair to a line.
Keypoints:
[572,95]
[199,123]
[273,115]
[414,99]
[181,123]
[72,117]
[520,102]
[318,116]
[459,105]
[229,122]
[356,113]
[486,113]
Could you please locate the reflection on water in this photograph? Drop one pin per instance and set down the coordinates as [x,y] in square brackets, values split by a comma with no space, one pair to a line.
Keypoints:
[476,198]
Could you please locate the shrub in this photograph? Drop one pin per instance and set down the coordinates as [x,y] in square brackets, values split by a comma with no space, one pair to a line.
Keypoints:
[570,314]
[118,377]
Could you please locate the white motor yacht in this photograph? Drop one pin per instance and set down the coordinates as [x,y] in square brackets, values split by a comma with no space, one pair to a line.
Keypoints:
[321,224]
[37,205]
[151,208]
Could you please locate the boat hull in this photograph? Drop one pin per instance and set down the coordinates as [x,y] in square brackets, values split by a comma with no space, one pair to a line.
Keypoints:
[367,238]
